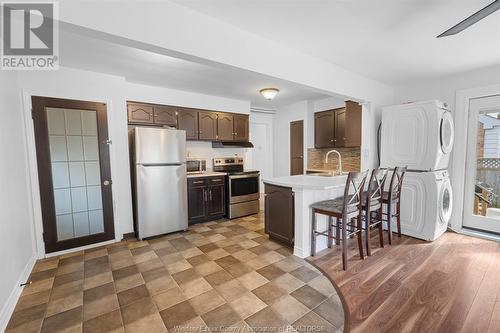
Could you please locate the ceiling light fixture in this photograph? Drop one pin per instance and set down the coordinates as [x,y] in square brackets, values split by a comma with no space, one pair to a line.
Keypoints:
[269,93]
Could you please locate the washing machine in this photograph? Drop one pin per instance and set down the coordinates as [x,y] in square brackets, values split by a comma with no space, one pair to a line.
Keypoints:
[426,204]
[417,135]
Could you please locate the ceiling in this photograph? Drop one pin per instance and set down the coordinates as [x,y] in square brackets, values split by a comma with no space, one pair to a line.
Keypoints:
[393,41]
[150,68]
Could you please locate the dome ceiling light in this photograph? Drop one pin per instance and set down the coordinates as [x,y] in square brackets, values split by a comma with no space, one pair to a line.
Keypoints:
[269,93]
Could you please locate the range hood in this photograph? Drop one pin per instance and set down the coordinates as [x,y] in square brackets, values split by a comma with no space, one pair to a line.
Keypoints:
[231,144]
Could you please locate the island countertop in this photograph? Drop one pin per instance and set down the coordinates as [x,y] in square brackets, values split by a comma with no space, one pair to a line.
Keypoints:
[307,182]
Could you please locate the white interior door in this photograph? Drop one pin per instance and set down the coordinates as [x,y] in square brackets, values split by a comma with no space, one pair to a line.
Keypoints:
[482,181]
[261,157]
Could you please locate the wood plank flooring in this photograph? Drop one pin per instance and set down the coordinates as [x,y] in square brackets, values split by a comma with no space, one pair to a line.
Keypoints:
[449,285]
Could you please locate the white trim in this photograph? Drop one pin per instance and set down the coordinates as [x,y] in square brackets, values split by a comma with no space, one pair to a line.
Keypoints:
[80,248]
[33,171]
[480,234]
[10,304]
[459,157]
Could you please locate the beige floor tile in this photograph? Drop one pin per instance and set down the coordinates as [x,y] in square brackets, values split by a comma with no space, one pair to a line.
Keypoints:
[247,305]
[289,308]
[195,287]
[97,280]
[206,302]
[207,268]
[150,324]
[231,290]
[288,282]
[169,298]
[252,280]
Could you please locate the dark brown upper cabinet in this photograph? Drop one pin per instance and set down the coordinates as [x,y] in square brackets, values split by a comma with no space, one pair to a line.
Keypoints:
[225,126]
[340,127]
[207,122]
[187,120]
[165,115]
[140,113]
[241,127]
[353,119]
[324,130]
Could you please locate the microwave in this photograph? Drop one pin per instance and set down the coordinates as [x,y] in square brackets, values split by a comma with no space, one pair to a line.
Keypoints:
[196,165]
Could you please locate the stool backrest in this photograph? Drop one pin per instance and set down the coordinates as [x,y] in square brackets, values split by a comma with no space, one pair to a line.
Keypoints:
[354,189]
[376,185]
[396,182]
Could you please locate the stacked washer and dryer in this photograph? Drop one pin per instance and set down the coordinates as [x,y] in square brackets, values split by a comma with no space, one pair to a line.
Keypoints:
[420,136]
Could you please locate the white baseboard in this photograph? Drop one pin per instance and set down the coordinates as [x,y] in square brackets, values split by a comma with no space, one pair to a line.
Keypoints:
[10,304]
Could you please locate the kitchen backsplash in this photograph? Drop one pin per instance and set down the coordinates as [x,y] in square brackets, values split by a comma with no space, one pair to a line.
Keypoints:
[200,149]
[351,159]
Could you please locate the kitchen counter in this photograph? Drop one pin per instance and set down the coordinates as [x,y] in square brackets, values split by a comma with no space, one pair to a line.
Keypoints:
[206,174]
[308,182]
[308,189]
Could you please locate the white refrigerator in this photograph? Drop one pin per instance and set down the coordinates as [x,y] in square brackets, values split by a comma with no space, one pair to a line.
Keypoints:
[160,184]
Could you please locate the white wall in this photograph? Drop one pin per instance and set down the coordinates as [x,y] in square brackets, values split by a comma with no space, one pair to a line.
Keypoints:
[285,115]
[261,157]
[115,91]
[16,235]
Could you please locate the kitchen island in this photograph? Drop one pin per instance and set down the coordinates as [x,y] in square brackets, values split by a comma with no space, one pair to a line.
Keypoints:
[301,191]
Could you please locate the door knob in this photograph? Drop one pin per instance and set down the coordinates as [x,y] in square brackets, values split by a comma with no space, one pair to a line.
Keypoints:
[106,182]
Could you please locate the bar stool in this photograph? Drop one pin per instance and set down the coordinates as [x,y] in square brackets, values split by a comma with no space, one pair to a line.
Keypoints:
[393,197]
[372,203]
[346,211]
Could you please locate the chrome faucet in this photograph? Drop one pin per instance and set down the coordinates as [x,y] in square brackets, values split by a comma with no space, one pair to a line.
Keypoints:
[340,159]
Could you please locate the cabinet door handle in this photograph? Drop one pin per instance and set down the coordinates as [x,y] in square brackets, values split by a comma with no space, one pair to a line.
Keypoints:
[205,195]
[210,194]
[198,182]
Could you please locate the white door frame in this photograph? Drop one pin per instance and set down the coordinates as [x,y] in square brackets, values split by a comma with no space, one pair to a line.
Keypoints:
[33,176]
[459,158]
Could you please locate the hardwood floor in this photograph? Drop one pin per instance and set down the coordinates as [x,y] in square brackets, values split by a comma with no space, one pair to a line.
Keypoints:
[449,285]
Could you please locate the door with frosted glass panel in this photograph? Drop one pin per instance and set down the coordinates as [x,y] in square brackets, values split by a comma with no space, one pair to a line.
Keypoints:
[74,172]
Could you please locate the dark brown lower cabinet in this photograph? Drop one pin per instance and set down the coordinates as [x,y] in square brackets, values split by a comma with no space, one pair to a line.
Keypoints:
[279,213]
[206,199]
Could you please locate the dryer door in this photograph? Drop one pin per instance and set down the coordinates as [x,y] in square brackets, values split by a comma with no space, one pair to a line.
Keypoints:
[445,202]
[446,133]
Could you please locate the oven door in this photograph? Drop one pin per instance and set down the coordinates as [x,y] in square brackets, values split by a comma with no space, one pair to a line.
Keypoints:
[243,188]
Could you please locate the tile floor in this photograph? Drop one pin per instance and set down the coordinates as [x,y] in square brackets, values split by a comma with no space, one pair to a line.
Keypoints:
[217,276]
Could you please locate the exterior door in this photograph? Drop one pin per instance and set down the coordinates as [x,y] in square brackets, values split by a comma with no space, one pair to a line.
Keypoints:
[297,147]
[482,181]
[74,172]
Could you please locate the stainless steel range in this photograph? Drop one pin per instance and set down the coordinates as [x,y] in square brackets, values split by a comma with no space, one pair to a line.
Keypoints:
[242,186]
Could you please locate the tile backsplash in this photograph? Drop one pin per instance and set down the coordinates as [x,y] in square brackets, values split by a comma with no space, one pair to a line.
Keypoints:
[351,159]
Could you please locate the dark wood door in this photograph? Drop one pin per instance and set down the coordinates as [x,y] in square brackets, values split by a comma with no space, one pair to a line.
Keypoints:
[353,124]
[241,127]
[196,202]
[279,213]
[74,172]
[165,115]
[140,113]
[187,120]
[297,147]
[324,129]
[340,127]
[215,205]
[225,127]
[207,125]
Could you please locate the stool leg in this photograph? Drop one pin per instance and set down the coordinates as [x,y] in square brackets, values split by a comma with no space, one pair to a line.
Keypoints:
[344,245]
[380,227]
[360,236]
[313,234]
[330,232]
[389,222]
[337,232]
[398,219]
[368,224]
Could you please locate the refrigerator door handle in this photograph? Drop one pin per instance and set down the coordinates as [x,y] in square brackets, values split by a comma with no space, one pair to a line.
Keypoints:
[159,164]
